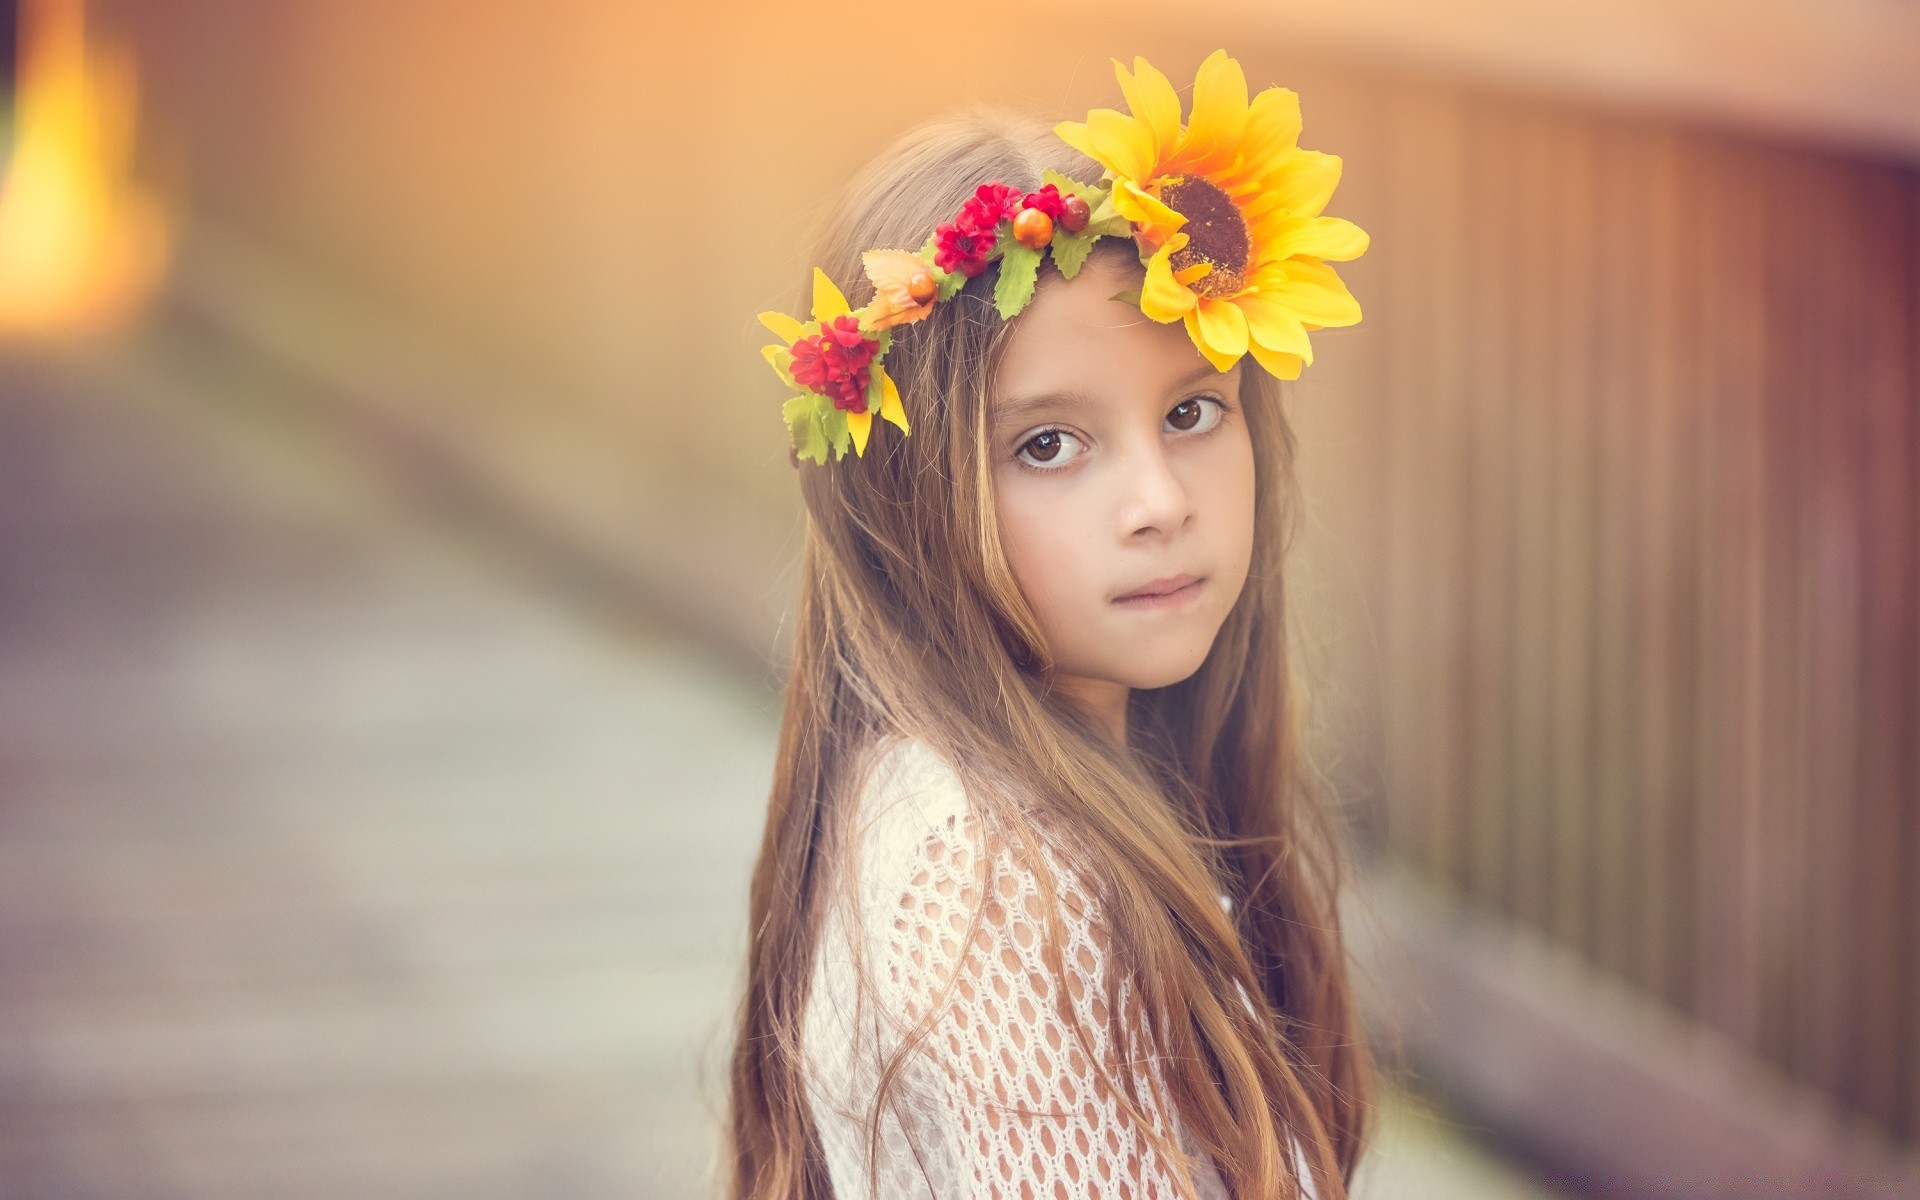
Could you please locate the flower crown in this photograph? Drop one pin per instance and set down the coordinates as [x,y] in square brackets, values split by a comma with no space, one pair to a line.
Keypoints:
[1225,211]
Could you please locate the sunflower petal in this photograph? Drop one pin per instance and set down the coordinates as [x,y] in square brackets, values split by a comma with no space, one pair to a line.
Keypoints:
[777,358]
[1273,131]
[1219,116]
[1276,363]
[1123,144]
[1282,234]
[890,407]
[1162,298]
[1224,325]
[1310,290]
[1188,276]
[1304,182]
[1276,232]
[828,303]
[1262,206]
[860,424]
[1221,360]
[1273,325]
[1151,97]
[1334,239]
[1074,133]
[1144,208]
[782,326]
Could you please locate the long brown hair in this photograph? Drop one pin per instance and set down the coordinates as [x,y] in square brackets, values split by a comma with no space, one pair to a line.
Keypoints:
[910,623]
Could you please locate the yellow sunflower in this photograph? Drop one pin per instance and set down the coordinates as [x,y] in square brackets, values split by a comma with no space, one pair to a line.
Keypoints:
[1227,212]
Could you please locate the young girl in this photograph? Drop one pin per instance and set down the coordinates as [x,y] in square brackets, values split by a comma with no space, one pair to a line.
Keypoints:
[1046,905]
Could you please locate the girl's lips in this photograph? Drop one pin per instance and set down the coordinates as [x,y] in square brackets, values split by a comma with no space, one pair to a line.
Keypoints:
[1169,592]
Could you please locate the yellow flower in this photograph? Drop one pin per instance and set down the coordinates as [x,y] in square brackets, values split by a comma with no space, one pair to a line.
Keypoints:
[1227,212]
[828,303]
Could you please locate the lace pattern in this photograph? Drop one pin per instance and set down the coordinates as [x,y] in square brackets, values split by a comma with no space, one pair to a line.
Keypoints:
[1000,1100]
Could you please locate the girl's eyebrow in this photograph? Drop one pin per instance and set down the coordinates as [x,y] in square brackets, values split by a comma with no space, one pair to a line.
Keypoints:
[1025,406]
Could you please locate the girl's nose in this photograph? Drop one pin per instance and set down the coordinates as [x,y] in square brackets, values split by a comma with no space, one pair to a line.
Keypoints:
[1154,499]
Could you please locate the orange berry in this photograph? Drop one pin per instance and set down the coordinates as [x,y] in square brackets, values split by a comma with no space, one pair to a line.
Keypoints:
[1032,228]
[921,287]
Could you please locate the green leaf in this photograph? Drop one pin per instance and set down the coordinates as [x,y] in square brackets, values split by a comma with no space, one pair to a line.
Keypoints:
[1019,266]
[804,426]
[1070,250]
[1099,203]
[930,251]
[1131,296]
[1069,187]
[875,393]
[834,426]
[950,283]
[1104,222]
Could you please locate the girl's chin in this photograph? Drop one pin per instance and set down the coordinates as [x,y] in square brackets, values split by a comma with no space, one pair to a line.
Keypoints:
[1158,672]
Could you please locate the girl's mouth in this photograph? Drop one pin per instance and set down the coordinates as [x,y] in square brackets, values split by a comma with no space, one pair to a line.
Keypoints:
[1170,591]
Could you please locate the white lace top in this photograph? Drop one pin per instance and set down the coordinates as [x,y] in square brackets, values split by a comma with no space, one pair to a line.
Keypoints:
[999,1100]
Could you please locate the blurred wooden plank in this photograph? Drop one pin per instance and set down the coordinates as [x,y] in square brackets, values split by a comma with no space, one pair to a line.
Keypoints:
[1492,295]
[1404,432]
[1884,903]
[466,1138]
[334,862]
[1909,796]
[1568,804]
[1625,487]
[1540,265]
[1342,413]
[1582,1071]
[1830,802]
[1670,695]
[1790,392]
[1731,181]
[1423,453]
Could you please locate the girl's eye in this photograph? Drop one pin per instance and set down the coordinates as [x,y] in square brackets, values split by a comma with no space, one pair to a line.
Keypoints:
[1196,414]
[1048,449]
[1053,448]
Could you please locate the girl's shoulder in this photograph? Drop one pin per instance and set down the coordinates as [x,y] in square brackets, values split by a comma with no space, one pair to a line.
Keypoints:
[912,803]
[908,794]
[905,770]
[914,819]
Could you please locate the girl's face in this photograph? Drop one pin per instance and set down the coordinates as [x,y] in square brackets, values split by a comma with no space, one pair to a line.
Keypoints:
[1123,483]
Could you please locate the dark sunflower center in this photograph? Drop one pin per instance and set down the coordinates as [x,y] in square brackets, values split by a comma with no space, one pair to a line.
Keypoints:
[1216,234]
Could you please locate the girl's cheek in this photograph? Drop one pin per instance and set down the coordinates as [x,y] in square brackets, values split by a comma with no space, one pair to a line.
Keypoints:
[1029,538]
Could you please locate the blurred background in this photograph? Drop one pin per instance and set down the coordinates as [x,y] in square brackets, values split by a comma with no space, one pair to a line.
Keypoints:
[396,537]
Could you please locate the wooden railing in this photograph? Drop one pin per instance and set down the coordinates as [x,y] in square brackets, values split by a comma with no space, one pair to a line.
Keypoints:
[1624,479]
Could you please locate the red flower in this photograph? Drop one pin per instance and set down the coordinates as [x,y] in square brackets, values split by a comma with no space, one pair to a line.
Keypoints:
[962,246]
[1048,200]
[963,243]
[990,204]
[836,362]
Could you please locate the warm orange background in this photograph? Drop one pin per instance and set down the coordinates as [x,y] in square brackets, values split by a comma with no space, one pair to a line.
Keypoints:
[1608,590]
